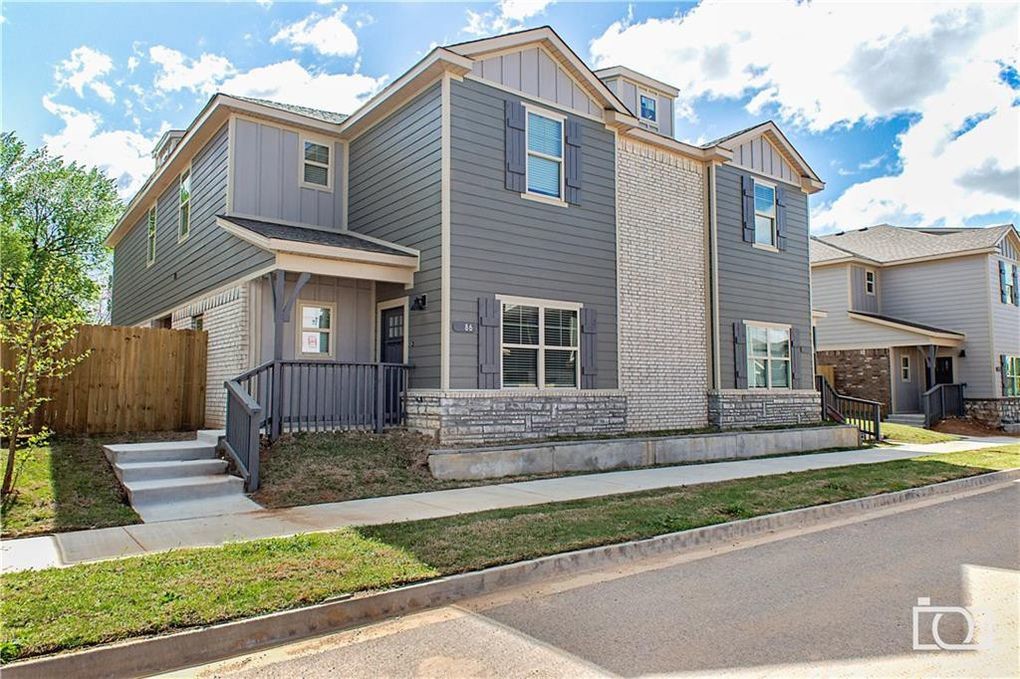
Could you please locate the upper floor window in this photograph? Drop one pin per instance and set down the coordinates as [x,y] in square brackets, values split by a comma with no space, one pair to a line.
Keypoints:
[184,203]
[540,345]
[869,281]
[150,243]
[316,169]
[545,155]
[315,333]
[1008,283]
[764,214]
[647,105]
[768,357]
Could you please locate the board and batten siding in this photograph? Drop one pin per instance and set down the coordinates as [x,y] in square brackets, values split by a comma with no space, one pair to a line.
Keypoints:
[757,284]
[759,155]
[533,72]
[952,294]
[1005,321]
[208,259]
[267,177]
[861,300]
[502,243]
[395,181]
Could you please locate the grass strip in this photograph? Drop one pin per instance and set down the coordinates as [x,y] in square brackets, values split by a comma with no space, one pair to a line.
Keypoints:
[902,433]
[62,609]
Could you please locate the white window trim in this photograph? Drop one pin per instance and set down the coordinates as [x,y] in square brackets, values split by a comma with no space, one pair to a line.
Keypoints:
[181,235]
[300,326]
[774,218]
[653,97]
[768,372]
[562,160]
[328,188]
[392,304]
[1012,374]
[542,305]
[873,282]
[1008,284]
[150,248]
[905,368]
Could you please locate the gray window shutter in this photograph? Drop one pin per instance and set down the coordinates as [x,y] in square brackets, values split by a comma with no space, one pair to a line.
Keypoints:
[573,162]
[794,356]
[1016,286]
[780,218]
[740,354]
[489,313]
[1002,282]
[1003,372]
[589,355]
[747,184]
[515,148]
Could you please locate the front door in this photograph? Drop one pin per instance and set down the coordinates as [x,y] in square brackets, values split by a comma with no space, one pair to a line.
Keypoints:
[391,350]
[943,371]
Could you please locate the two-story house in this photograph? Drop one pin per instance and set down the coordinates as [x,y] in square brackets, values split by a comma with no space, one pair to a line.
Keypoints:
[899,310]
[522,232]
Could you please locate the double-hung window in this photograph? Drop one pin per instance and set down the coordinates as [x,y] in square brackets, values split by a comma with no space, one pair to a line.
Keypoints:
[1012,378]
[545,155]
[869,281]
[540,345]
[184,206]
[150,242]
[1007,283]
[315,333]
[768,357]
[316,165]
[647,109]
[764,214]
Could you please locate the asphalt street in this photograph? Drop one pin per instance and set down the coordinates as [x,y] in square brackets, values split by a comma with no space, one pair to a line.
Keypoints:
[836,600]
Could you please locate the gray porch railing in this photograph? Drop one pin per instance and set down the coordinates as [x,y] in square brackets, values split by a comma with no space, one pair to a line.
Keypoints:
[864,414]
[295,396]
[942,401]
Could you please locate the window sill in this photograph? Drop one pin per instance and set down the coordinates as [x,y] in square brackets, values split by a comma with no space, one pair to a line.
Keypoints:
[765,247]
[181,239]
[545,199]
[316,187]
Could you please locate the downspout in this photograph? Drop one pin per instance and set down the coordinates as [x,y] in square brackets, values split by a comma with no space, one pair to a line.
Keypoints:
[715,370]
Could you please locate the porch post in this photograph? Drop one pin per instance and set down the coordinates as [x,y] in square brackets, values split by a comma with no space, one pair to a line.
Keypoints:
[931,365]
[282,304]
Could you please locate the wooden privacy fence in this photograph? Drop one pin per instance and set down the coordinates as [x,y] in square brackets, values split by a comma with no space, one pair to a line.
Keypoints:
[134,379]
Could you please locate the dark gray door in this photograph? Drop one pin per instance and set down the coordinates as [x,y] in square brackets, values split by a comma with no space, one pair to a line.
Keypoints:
[943,370]
[391,350]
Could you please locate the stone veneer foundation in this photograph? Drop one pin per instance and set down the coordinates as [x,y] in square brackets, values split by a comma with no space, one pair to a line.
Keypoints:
[994,412]
[746,408]
[860,373]
[457,417]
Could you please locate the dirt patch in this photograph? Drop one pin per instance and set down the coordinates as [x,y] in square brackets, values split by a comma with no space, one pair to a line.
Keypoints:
[967,427]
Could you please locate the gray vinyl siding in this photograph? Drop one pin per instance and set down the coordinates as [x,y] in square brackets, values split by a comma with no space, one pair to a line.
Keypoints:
[759,285]
[1005,321]
[267,177]
[952,294]
[395,178]
[502,243]
[208,259]
[861,300]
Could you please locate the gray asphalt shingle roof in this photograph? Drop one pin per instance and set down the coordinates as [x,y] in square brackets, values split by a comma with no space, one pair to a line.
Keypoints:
[317,113]
[301,234]
[901,321]
[886,244]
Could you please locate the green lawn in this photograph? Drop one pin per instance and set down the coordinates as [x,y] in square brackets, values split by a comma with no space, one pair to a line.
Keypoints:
[902,433]
[60,609]
[68,485]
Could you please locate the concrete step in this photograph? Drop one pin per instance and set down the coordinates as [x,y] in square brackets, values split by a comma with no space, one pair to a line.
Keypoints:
[911,419]
[152,512]
[170,469]
[176,490]
[212,436]
[159,451]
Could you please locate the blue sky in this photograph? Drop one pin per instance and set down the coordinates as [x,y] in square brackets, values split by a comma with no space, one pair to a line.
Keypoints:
[910,117]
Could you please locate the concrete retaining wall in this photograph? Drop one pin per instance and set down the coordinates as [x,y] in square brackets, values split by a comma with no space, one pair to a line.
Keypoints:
[545,458]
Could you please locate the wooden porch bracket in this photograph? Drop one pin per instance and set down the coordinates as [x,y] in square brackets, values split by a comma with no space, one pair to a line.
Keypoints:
[282,306]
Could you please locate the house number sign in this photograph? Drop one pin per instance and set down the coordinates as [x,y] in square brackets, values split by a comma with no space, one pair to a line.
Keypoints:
[463,326]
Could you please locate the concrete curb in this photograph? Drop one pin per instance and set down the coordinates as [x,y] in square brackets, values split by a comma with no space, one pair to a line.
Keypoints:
[217,642]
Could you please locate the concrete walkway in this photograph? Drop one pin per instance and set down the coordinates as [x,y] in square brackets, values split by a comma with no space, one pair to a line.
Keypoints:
[64,549]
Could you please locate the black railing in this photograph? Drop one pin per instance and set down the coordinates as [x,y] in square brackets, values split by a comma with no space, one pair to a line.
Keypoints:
[864,414]
[295,396]
[942,401]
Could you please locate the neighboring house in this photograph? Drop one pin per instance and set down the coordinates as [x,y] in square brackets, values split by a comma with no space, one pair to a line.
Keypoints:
[524,232]
[902,309]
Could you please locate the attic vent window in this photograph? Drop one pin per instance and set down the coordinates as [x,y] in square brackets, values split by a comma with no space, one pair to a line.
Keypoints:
[316,166]
[648,113]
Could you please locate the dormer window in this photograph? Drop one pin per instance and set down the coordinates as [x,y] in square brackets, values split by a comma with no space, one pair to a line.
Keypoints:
[648,109]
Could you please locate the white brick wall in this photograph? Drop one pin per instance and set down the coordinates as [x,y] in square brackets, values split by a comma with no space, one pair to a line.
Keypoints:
[661,262]
[225,319]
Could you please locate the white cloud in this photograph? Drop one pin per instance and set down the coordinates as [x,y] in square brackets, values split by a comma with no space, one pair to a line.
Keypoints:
[85,68]
[327,35]
[132,63]
[821,66]
[125,155]
[509,15]
[178,72]
[290,83]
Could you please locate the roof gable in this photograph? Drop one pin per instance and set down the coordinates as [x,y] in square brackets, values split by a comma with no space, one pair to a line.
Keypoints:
[766,150]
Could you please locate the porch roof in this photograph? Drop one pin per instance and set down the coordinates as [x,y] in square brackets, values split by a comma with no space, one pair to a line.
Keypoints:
[306,234]
[926,334]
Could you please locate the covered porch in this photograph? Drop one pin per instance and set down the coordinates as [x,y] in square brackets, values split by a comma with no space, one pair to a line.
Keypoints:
[327,353]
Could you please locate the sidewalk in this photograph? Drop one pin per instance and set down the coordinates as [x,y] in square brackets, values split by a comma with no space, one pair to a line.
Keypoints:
[109,543]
